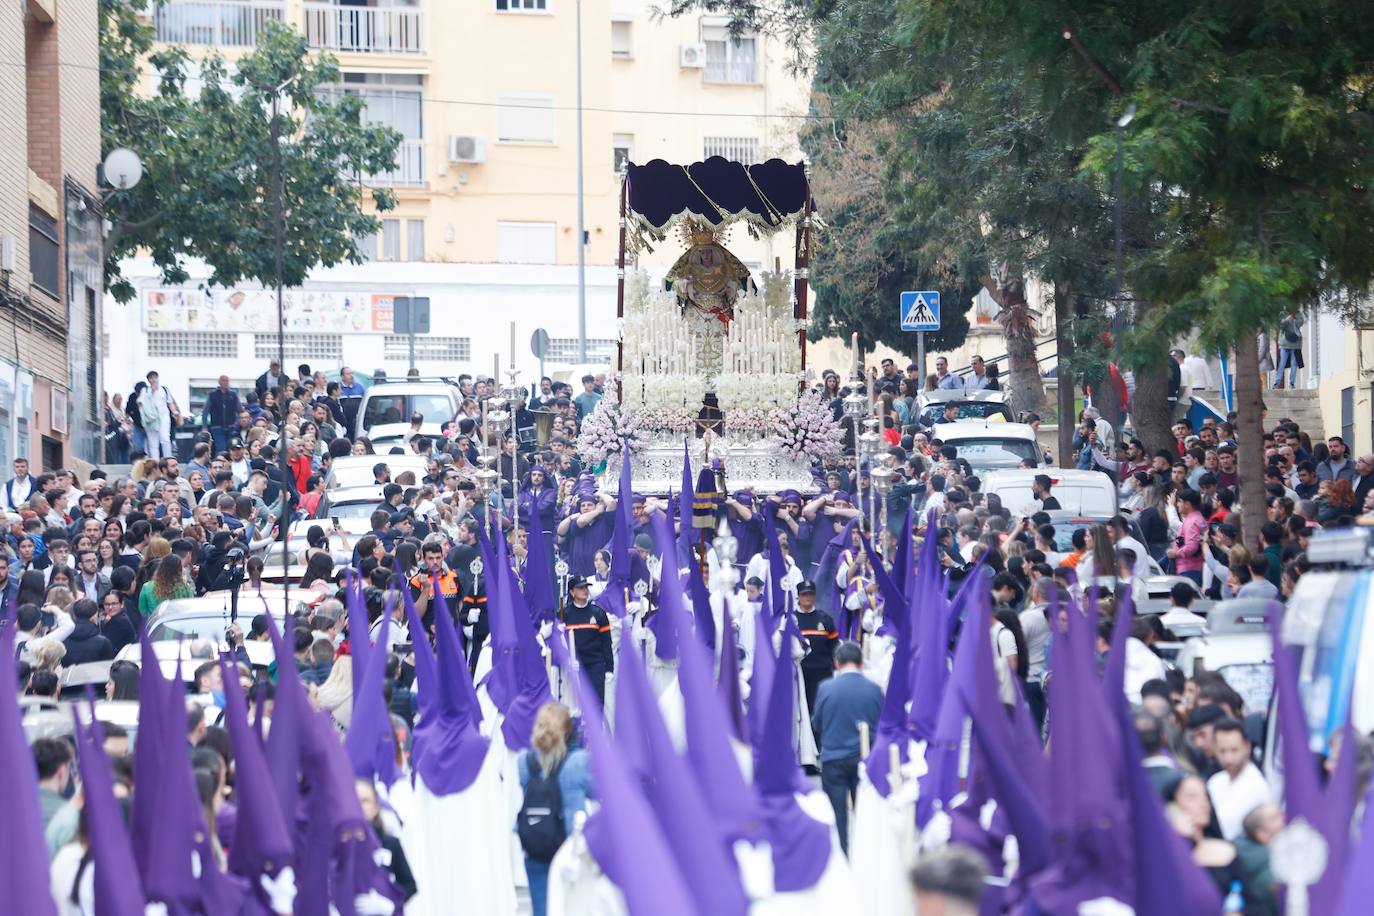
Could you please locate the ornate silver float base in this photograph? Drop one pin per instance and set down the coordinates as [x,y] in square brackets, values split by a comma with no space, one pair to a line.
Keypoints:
[657,469]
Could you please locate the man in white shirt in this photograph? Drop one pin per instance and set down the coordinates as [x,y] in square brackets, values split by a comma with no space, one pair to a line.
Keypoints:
[1240,786]
[758,567]
[979,380]
[18,487]
[1196,372]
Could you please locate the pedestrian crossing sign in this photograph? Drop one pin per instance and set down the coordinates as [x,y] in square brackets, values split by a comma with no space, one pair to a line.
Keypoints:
[921,311]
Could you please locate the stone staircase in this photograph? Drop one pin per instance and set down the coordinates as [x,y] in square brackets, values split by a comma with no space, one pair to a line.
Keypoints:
[1298,404]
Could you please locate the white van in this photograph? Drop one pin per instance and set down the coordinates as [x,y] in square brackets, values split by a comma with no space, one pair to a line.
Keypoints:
[989,446]
[1080,492]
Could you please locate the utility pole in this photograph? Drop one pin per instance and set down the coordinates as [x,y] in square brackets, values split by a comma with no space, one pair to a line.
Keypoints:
[581,211]
[279,233]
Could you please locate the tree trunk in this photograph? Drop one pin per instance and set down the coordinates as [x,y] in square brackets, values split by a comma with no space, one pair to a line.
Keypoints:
[1063,348]
[1249,425]
[1150,414]
[1023,384]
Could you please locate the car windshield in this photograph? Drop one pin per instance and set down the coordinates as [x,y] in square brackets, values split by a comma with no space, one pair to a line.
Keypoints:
[397,408]
[191,628]
[353,510]
[1064,529]
[352,475]
[995,453]
[968,410]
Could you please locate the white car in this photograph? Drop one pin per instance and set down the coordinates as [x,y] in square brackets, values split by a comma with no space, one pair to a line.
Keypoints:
[356,470]
[1090,493]
[979,406]
[989,446]
[1237,646]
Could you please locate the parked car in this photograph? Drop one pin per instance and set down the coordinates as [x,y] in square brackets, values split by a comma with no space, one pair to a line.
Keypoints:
[990,446]
[1237,646]
[973,405]
[1089,493]
[356,470]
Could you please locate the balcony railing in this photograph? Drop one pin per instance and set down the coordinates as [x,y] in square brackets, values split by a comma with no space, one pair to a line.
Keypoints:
[232,23]
[367,30]
[409,171]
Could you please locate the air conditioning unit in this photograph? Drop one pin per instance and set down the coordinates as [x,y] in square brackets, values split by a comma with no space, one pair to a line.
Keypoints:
[692,57]
[470,148]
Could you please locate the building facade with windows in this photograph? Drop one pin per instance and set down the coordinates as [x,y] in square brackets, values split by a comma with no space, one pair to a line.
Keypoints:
[50,240]
[484,94]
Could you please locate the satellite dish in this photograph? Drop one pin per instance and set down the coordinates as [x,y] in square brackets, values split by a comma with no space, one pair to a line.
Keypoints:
[123,168]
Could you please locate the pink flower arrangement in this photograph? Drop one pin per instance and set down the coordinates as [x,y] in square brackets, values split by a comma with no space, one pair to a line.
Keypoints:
[809,431]
[606,430]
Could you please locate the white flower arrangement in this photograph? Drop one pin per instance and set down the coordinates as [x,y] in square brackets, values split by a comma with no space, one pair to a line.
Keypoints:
[606,431]
[808,431]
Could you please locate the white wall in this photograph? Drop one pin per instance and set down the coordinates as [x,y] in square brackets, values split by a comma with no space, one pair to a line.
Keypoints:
[477,301]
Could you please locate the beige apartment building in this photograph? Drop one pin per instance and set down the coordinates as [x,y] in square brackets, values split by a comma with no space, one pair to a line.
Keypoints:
[50,233]
[484,93]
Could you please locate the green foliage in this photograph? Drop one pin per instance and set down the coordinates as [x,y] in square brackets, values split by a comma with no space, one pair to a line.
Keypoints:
[1247,167]
[208,186]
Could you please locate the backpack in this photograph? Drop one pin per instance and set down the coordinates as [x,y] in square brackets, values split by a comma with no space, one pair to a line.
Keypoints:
[540,821]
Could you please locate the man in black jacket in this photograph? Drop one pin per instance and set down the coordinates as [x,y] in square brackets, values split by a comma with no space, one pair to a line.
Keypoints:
[222,408]
[86,644]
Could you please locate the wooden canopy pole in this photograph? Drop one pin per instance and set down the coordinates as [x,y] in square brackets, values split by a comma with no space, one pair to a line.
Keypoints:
[620,287]
[803,260]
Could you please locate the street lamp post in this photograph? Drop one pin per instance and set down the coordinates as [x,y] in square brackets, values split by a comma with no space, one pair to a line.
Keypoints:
[1121,123]
[279,239]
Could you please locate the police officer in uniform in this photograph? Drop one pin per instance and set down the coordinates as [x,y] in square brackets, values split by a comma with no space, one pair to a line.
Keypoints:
[590,627]
[422,583]
[818,629]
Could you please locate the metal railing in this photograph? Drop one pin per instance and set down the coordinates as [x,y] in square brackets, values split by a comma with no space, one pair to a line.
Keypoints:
[229,23]
[368,30]
[409,171]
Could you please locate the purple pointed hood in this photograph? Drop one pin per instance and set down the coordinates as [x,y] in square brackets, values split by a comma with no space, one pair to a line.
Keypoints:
[892,725]
[800,843]
[686,531]
[530,677]
[1089,814]
[777,566]
[337,845]
[1357,885]
[147,753]
[624,835]
[761,677]
[177,833]
[630,738]
[371,742]
[262,841]
[448,750]
[941,783]
[540,593]
[501,681]
[664,623]
[676,798]
[117,885]
[1167,880]
[1012,771]
[290,706]
[359,646]
[727,682]
[723,789]
[23,852]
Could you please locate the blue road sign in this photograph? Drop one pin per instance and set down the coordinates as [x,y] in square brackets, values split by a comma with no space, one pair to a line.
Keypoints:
[921,311]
